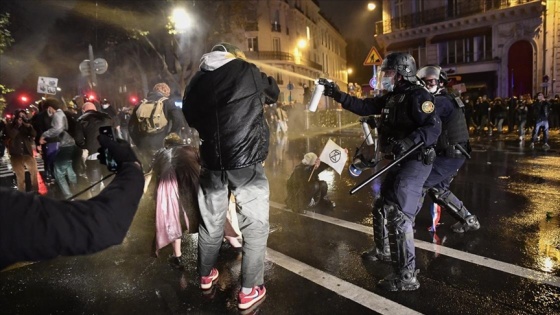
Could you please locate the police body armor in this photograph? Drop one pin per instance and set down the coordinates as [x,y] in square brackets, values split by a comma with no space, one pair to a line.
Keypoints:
[453,132]
[396,122]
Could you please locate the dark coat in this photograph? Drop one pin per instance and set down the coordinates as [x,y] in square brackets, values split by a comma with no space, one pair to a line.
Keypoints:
[38,228]
[20,139]
[88,129]
[226,107]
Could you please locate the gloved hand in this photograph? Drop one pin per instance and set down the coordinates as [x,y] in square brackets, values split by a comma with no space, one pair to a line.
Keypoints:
[120,150]
[401,146]
[332,90]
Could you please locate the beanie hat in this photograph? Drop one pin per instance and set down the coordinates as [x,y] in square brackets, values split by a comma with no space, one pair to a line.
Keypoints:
[309,158]
[163,89]
[88,106]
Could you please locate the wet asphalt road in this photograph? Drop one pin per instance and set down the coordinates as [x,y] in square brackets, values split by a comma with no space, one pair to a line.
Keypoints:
[510,266]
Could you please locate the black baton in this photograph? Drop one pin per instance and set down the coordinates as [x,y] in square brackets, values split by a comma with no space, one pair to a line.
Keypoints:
[386,168]
[465,153]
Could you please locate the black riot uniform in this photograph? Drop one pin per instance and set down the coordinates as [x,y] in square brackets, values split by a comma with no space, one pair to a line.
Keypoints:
[407,118]
[452,150]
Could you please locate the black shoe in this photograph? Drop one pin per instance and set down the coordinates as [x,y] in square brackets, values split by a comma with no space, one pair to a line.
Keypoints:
[471,224]
[175,262]
[405,280]
[376,255]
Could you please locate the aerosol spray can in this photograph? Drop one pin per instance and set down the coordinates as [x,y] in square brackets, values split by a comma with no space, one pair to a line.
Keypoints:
[319,88]
[367,132]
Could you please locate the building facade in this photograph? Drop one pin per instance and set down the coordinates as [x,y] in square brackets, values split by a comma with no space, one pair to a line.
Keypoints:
[294,43]
[499,48]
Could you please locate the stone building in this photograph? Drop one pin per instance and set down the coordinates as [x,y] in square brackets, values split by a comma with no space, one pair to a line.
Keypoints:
[494,47]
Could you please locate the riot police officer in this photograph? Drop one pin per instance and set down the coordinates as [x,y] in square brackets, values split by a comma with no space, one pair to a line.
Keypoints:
[407,118]
[452,149]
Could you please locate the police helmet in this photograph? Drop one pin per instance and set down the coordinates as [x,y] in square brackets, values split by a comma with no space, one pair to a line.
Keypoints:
[403,63]
[443,77]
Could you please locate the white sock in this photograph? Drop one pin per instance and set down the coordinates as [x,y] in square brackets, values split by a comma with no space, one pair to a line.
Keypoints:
[245,290]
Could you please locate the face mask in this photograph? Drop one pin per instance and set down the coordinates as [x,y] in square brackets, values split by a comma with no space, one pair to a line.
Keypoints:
[50,113]
[432,89]
[387,83]
[105,106]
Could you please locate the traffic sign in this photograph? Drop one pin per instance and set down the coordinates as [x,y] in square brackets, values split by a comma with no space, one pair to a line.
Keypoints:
[290,86]
[373,58]
[373,82]
[100,65]
[84,68]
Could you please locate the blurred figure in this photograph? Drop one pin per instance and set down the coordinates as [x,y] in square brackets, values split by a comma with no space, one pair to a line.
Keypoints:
[541,111]
[235,138]
[304,188]
[86,138]
[282,123]
[521,112]
[124,120]
[39,228]
[20,135]
[109,109]
[499,114]
[152,120]
[41,122]
[63,169]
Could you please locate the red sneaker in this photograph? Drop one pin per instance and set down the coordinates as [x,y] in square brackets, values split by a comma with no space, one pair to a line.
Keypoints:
[248,300]
[206,282]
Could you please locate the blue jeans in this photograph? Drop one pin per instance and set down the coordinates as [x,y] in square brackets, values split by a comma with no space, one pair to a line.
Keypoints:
[538,125]
[63,169]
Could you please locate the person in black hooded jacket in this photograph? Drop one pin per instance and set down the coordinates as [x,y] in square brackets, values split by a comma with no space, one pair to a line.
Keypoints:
[225,102]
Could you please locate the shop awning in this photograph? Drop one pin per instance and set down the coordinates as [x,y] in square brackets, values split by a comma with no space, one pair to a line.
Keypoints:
[413,43]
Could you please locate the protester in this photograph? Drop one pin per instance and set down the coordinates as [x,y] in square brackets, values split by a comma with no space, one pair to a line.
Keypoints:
[39,228]
[20,135]
[235,137]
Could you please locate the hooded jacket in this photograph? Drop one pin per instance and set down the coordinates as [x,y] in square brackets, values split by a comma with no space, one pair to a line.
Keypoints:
[88,129]
[224,101]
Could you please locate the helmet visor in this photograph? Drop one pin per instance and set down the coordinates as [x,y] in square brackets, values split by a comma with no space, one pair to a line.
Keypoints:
[386,80]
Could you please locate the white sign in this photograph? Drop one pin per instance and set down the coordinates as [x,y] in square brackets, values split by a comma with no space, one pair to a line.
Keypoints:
[46,85]
[334,156]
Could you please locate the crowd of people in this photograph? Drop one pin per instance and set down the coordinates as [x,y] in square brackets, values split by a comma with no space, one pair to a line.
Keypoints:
[207,158]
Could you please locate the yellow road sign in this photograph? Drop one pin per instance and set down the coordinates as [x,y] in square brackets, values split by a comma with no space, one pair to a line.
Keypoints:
[373,58]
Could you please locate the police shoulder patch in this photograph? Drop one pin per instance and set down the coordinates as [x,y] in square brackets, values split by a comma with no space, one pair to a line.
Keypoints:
[428,107]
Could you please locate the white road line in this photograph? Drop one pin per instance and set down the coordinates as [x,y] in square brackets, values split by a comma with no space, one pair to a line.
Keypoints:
[346,289]
[538,276]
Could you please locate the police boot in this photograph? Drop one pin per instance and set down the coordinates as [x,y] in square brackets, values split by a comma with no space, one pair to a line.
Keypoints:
[402,280]
[375,254]
[471,224]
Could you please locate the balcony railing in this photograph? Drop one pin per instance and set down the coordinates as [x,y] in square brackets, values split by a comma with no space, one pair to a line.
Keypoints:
[462,9]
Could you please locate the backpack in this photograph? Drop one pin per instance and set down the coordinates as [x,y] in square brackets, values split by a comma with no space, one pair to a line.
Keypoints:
[150,115]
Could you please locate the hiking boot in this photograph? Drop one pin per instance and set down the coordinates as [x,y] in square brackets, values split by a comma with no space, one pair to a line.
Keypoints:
[545,146]
[248,300]
[206,282]
[405,280]
[376,255]
[175,262]
[471,224]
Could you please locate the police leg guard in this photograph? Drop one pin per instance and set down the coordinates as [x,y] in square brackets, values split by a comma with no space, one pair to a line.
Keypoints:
[446,199]
[381,251]
[404,277]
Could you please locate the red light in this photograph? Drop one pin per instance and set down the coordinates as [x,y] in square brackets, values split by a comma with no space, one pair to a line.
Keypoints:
[91,97]
[24,98]
[8,116]
[133,99]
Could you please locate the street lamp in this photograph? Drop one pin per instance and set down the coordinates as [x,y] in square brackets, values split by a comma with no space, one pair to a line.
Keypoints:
[349,71]
[180,19]
[302,43]
[371,6]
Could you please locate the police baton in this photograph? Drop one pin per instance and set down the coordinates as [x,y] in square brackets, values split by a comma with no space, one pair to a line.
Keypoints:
[386,168]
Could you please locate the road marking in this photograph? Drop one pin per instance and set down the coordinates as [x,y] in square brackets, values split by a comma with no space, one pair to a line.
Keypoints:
[538,276]
[343,288]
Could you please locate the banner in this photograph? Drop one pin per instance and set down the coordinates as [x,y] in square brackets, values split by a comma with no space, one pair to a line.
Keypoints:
[334,156]
[46,85]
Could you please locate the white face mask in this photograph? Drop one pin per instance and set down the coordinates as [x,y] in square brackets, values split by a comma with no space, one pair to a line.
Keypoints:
[50,112]
[432,89]
[105,106]
[387,83]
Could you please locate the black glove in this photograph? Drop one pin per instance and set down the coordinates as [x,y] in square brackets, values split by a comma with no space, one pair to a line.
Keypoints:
[120,150]
[401,146]
[331,90]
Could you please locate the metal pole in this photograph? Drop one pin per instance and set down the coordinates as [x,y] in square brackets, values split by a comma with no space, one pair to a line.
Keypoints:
[386,168]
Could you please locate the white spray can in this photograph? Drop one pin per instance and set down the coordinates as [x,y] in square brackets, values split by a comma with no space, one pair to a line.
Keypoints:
[367,132]
[319,88]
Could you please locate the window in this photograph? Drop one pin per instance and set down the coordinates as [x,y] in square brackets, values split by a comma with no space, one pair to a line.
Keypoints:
[276,27]
[276,44]
[477,48]
[252,44]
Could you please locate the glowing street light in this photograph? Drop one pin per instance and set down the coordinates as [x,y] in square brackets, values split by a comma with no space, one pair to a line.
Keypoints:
[349,71]
[371,6]
[302,43]
[180,19]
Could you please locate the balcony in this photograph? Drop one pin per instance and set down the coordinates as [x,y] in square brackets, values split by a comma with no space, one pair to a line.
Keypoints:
[444,13]
[280,55]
